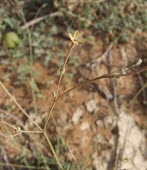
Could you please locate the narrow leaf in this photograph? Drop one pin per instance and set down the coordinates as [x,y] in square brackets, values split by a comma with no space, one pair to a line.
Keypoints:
[76,34]
[71,37]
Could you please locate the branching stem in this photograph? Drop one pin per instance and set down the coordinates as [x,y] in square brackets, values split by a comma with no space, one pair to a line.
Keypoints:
[58,86]
[18,105]
[101,77]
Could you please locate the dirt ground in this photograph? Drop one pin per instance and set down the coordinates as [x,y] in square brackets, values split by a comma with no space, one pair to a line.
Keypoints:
[98,123]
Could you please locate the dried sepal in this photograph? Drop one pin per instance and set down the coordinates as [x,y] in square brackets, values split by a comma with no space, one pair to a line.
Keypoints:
[76,34]
[81,40]
[70,36]
[75,38]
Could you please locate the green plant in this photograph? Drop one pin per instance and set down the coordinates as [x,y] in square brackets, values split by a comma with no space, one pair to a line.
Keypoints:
[24,71]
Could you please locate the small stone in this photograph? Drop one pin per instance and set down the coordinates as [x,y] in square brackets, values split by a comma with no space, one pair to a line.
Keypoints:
[91,106]
[76,116]
[99,123]
[85,126]
[108,121]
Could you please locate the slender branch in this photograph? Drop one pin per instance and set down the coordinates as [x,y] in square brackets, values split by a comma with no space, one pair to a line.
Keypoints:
[39,19]
[58,86]
[29,131]
[50,112]
[18,105]
[18,130]
[9,125]
[68,54]
[118,75]
[53,151]
[62,71]
[102,77]
[73,156]
[9,136]
[137,94]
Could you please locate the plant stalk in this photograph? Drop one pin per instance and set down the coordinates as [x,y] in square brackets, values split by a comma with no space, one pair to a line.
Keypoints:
[53,151]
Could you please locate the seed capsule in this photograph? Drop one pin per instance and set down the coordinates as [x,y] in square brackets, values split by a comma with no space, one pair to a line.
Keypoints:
[11,39]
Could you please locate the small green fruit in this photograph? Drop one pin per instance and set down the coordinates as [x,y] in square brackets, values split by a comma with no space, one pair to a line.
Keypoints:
[11,39]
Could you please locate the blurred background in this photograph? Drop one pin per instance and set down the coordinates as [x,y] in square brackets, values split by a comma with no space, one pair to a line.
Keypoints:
[100,126]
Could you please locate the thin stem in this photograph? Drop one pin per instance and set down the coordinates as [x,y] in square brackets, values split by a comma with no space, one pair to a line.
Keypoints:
[68,54]
[50,112]
[63,68]
[10,136]
[9,125]
[18,105]
[58,86]
[29,131]
[54,103]
[144,86]
[74,158]
[101,77]
[91,81]
[53,151]
[18,130]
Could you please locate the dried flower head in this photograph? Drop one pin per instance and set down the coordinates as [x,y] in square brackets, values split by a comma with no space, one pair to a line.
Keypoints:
[75,38]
